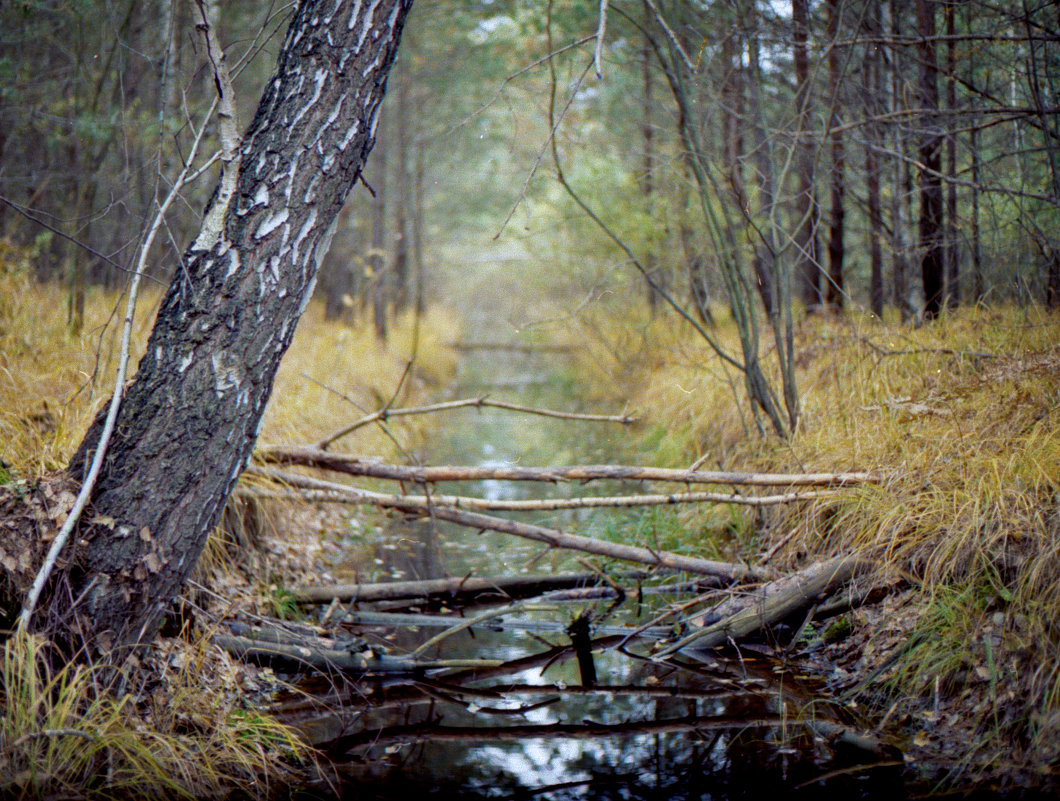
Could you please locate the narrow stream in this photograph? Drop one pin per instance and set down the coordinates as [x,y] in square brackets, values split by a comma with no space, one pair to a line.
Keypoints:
[540,724]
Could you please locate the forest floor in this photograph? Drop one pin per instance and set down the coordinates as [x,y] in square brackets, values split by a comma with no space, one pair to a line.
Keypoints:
[955,652]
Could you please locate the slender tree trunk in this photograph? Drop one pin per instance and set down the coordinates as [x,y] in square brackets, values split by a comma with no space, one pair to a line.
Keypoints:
[380,287]
[190,419]
[807,214]
[834,294]
[402,196]
[930,246]
[872,173]
[417,232]
[764,259]
[953,286]
[648,164]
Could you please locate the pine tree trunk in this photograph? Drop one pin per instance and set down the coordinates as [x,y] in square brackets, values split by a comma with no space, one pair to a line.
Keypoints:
[932,261]
[837,211]
[189,421]
[806,211]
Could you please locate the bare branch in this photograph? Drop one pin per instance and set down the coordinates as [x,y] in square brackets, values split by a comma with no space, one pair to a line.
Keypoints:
[358,466]
[480,402]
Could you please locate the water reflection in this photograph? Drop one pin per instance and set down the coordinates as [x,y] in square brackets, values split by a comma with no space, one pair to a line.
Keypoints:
[528,728]
[647,730]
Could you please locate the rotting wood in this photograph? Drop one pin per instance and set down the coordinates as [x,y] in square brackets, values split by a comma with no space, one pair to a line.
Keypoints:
[447,588]
[368,618]
[771,603]
[354,465]
[550,536]
[555,504]
[319,657]
[479,402]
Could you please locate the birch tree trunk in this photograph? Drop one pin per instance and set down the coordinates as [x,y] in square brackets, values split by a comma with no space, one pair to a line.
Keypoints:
[189,421]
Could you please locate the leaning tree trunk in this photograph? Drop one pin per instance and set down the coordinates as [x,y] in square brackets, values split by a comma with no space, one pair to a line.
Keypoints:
[189,421]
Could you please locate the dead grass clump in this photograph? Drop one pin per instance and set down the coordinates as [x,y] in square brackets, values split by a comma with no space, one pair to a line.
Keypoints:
[64,734]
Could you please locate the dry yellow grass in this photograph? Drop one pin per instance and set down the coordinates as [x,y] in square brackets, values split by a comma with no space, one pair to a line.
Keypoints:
[961,418]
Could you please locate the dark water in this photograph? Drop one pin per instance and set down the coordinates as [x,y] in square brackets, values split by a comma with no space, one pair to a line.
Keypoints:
[540,724]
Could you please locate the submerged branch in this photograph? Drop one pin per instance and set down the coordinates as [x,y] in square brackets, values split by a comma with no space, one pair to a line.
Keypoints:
[447,588]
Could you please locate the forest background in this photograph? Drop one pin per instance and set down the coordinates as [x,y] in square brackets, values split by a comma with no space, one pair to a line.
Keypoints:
[779,176]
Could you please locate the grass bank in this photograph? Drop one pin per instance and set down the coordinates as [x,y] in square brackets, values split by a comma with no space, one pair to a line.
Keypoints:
[961,419]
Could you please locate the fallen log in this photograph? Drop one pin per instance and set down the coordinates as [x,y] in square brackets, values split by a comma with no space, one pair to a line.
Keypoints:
[551,504]
[739,617]
[510,586]
[353,465]
[364,618]
[293,658]
[550,536]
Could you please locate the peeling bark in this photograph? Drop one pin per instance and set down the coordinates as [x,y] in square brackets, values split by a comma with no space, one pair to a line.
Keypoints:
[190,419]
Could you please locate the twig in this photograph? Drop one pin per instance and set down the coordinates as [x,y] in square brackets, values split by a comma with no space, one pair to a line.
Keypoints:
[882,351]
[693,67]
[36,735]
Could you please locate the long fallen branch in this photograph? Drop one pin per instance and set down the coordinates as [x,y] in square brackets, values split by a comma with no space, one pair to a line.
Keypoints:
[479,403]
[353,465]
[771,603]
[511,586]
[550,536]
[544,504]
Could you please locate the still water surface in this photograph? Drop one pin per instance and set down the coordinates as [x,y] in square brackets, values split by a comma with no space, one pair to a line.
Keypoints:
[539,726]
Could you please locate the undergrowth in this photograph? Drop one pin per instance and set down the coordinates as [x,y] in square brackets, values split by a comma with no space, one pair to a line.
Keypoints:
[174,724]
[959,419]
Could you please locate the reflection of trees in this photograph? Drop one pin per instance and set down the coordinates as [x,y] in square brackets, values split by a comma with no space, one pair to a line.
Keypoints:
[691,731]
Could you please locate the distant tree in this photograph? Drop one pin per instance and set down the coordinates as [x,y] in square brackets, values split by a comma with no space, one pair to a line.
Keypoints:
[930,246]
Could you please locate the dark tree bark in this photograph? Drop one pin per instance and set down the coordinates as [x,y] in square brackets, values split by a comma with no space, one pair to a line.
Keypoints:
[901,189]
[834,295]
[189,421]
[872,171]
[807,213]
[932,258]
[953,266]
